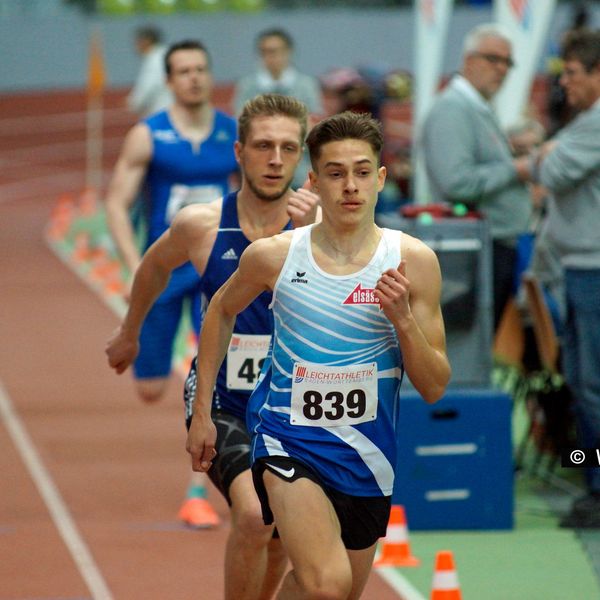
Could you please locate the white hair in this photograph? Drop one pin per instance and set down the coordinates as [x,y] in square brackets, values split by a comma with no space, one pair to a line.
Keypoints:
[474,38]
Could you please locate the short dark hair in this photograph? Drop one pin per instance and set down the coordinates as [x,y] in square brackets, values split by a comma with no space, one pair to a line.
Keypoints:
[271,105]
[275,32]
[345,126]
[149,32]
[582,45]
[185,45]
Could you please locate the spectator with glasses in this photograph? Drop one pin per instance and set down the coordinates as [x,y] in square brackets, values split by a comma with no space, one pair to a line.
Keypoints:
[468,157]
[277,75]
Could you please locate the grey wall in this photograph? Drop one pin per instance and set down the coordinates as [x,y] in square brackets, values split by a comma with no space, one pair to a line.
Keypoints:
[47,49]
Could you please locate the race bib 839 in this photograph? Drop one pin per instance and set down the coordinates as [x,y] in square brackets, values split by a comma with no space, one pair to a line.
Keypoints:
[324,396]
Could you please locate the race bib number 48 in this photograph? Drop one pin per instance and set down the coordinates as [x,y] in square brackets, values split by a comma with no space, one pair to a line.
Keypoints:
[325,396]
[245,357]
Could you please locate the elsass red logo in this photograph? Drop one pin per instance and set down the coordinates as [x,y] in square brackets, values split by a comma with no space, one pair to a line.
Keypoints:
[361,295]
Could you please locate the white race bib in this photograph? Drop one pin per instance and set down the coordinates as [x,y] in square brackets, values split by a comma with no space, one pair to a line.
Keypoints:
[182,195]
[325,396]
[245,357]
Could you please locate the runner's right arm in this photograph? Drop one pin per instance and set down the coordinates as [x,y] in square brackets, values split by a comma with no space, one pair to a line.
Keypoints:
[172,249]
[123,189]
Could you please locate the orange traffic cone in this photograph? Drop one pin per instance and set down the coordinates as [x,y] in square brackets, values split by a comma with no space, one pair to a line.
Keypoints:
[115,286]
[396,549]
[61,217]
[445,580]
[65,206]
[81,248]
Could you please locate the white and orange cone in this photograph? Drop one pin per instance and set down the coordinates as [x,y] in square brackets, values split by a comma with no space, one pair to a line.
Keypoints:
[396,548]
[445,584]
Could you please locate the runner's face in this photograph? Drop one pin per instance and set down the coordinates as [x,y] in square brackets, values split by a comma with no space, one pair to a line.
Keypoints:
[190,79]
[270,155]
[348,180]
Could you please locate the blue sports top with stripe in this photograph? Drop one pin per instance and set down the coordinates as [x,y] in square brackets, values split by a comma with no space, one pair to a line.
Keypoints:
[328,393]
[182,173]
[253,326]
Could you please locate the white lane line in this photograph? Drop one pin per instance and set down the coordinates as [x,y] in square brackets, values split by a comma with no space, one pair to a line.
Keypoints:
[399,583]
[54,503]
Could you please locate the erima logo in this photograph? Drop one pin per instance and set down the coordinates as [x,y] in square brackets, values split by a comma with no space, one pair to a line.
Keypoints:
[222,136]
[361,295]
[299,277]
[287,473]
[229,255]
[165,135]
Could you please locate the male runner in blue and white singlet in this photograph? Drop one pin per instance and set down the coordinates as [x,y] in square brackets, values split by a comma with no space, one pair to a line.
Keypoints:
[353,305]
[213,237]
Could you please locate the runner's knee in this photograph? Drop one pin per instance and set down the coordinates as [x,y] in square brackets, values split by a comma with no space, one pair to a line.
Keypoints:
[248,522]
[325,582]
[151,390]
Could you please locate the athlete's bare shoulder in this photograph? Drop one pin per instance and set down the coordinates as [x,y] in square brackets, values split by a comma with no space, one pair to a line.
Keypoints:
[137,146]
[266,256]
[194,230]
[411,246]
[274,248]
[422,265]
[198,219]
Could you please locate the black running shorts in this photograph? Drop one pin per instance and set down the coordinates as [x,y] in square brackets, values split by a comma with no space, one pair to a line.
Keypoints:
[363,519]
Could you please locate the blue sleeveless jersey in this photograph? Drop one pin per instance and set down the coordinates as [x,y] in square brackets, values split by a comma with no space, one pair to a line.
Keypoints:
[253,326]
[328,394]
[180,174]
